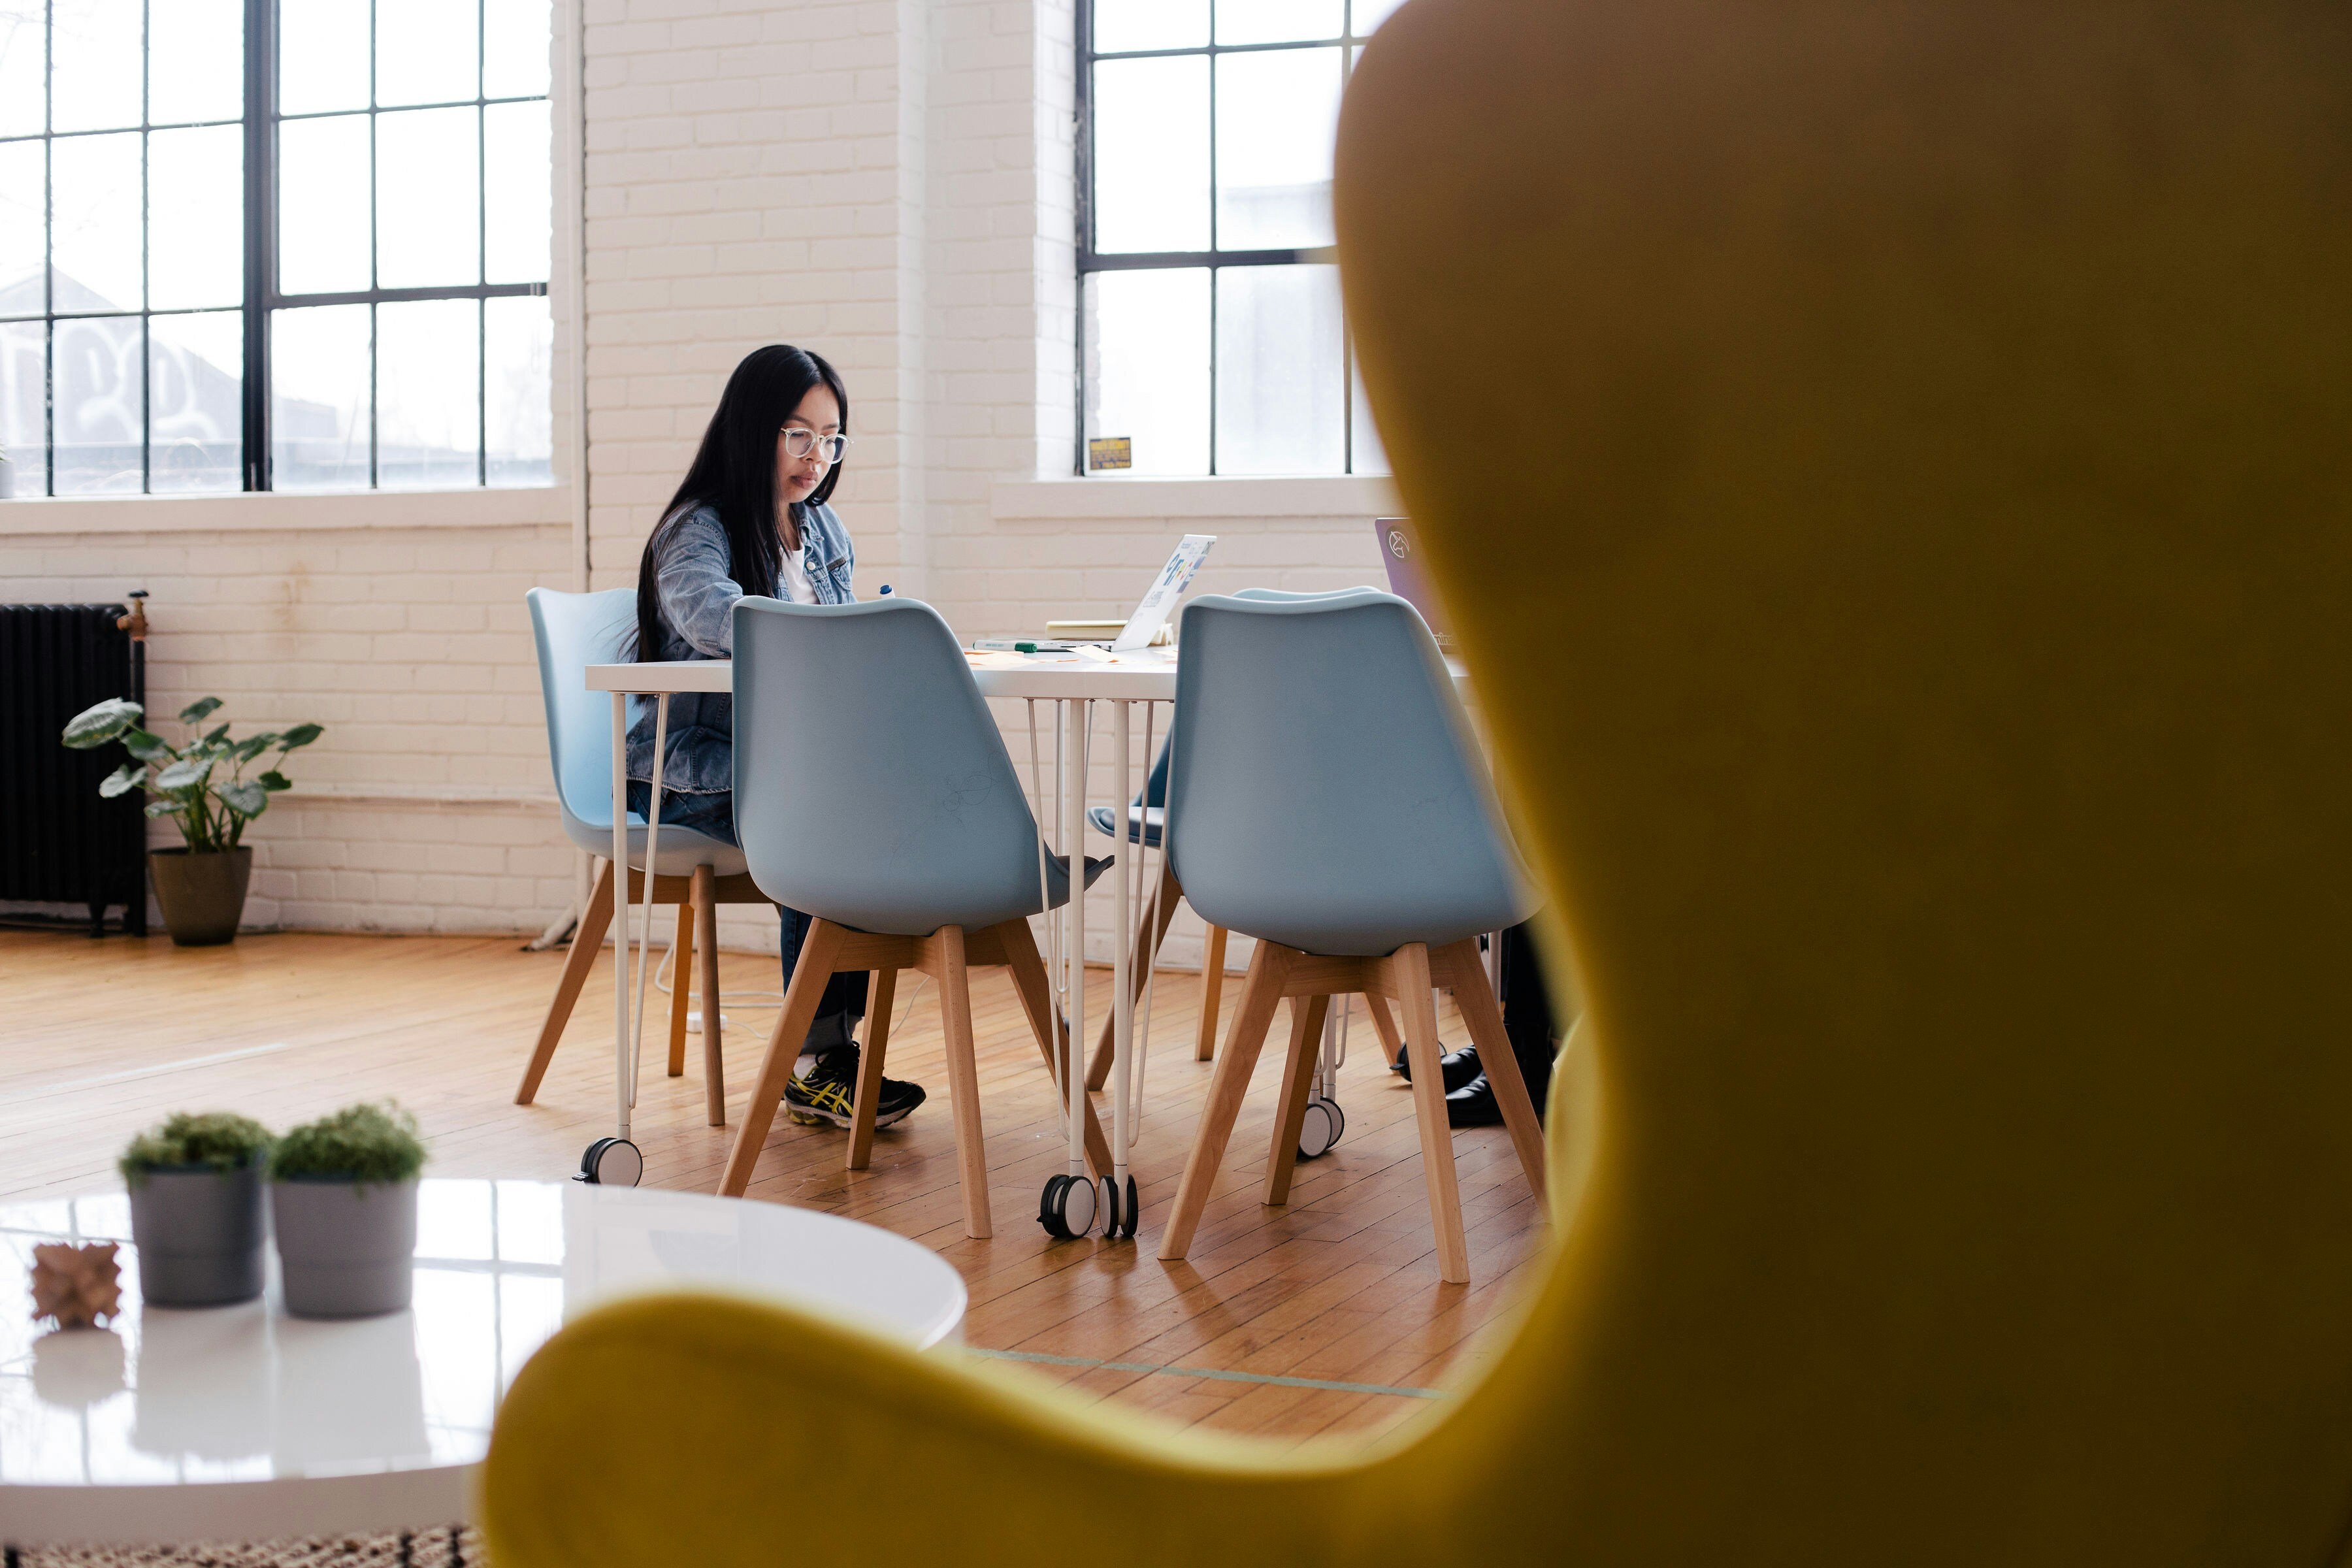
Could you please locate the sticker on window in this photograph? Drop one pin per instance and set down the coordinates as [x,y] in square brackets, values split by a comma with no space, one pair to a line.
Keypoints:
[1111,452]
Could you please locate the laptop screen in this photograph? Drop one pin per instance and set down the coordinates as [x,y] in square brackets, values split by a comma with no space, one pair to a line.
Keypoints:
[1400,553]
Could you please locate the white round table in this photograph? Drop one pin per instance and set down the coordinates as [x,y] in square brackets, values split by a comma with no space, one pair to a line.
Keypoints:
[243,1424]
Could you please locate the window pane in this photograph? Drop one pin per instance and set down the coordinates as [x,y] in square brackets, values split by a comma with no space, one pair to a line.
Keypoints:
[25,404]
[323,205]
[98,393]
[23,228]
[195,410]
[427,198]
[95,79]
[1147,365]
[1366,16]
[1151,154]
[1370,456]
[1280,374]
[516,158]
[1277,114]
[427,424]
[1150,24]
[425,51]
[516,43]
[519,340]
[322,56]
[195,61]
[195,216]
[318,399]
[1279,21]
[97,201]
[23,72]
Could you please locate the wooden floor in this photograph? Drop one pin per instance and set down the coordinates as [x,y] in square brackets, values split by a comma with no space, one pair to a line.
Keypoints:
[1324,1316]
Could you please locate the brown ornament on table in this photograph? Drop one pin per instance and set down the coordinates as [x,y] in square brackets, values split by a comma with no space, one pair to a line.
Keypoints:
[76,1285]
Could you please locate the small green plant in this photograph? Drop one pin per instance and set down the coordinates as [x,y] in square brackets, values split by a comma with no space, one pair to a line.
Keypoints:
[368,1143]
[216,1139]
[201,780]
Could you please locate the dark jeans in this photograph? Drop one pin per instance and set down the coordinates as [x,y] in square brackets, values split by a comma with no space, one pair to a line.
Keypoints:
[713,817]
[1528,1014]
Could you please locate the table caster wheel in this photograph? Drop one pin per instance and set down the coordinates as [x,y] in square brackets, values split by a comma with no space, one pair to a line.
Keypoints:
[611,1163]
[1320,1128]
[1066,1209]
[1119,1215]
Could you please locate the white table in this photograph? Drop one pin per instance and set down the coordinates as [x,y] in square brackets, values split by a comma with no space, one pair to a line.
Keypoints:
[1074,683]
[242,1424]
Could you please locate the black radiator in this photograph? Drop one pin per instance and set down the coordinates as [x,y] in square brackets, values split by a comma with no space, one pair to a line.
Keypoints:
[59,842]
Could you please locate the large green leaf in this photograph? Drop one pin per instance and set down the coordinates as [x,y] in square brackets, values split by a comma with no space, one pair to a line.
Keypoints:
[273,779]
[102,722]
[246,798]
[123,780]
[252,746]
[196,712]
[300,735]
[146,745]
[166,807]
[218,737]
[188,773]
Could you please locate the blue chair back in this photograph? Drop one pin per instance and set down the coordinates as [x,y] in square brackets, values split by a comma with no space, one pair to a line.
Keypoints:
[872,788]
[1326,791]
[573,631]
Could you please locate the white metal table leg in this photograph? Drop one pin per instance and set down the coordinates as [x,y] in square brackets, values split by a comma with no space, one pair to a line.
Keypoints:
[1117,1221]
[621,908]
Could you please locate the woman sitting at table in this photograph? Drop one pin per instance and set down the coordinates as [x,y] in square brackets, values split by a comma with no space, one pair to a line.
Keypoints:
[750,519]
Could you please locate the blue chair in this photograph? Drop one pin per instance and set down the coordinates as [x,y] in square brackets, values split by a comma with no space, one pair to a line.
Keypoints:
[1145,815]
[904,835]
[1328,801]
[696,873]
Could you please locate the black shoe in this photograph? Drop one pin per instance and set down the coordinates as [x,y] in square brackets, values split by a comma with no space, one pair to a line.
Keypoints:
[1474,1105]
[1460,1066]
[828,1094]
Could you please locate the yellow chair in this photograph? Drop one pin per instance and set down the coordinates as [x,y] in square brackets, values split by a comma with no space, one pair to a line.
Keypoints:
[1899,455]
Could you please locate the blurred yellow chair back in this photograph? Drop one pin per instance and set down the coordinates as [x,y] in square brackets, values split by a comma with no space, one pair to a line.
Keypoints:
[1892,464]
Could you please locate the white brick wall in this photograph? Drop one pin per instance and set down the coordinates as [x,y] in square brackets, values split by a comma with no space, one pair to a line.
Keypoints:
[888,182]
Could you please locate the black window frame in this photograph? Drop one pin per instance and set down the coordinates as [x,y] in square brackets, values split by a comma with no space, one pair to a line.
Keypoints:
[1091,261]
[261,297]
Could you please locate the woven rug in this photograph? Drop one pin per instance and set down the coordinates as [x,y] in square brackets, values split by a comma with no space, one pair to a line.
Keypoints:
[449,1548]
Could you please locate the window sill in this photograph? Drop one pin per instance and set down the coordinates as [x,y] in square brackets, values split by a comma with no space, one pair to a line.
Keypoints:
[276,511]
[1204,500]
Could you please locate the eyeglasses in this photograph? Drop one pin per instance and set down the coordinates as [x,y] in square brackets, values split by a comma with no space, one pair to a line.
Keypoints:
[800,443]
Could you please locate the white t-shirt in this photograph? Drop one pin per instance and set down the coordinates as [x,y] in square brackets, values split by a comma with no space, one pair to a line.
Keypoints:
[792,580]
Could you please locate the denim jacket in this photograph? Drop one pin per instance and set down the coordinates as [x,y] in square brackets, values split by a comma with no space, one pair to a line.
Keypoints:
[694,576]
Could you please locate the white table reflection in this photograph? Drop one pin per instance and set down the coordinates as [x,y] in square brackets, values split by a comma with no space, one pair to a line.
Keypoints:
[240,1423]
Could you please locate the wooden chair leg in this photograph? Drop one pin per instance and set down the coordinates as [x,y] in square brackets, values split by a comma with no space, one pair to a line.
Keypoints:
[963,1081]
[681,986]
[586,938]
[1409,969]
[869,1069]
[1260,994]
[823,945]
[1149,933]
[1383,1026]
[1212,990]
[1479,1010]
[705,897]
[1307,1016]
[1021,956]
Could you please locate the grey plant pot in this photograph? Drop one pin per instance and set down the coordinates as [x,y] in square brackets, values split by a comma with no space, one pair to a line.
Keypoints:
[344,1250]
[199,1235]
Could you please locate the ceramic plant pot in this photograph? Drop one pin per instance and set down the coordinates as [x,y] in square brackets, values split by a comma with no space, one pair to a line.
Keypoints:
[344,1249]
[199,1235]
[203,895]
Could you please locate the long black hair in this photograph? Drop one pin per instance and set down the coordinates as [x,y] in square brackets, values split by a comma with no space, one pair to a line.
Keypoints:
[735,473]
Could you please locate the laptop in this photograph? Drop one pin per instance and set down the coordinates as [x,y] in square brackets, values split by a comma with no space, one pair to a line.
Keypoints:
[1400,553]
[1142,629]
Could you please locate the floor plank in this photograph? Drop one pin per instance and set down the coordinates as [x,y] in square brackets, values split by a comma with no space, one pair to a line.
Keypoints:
[1340,1287]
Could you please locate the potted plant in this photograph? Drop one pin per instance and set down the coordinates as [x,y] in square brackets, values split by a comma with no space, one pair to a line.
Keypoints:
[200,782]
[195,1208]
[342,1192]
